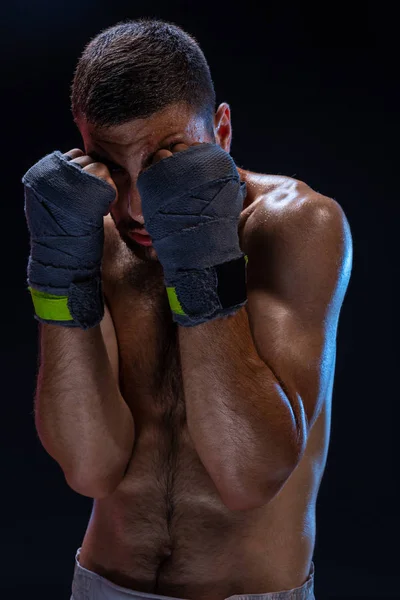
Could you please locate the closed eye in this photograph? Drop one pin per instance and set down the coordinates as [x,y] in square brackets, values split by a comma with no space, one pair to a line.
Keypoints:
[115,168]
[112,167]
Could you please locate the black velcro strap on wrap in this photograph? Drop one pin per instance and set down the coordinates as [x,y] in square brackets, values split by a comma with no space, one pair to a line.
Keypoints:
[231,287]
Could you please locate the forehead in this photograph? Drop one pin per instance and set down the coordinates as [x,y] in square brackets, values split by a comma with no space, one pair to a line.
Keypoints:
[148,131]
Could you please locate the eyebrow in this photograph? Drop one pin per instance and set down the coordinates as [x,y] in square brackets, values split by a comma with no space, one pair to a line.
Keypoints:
[145,163]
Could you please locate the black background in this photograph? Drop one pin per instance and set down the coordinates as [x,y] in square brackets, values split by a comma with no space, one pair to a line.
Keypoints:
[313,95]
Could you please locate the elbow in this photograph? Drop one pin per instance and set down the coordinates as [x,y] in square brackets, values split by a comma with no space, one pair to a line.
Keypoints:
[250,499]
[100,483]
[256,491]
[95,487]
[95,490]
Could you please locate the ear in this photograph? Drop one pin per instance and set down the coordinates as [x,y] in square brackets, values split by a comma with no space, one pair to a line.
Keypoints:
[223,127]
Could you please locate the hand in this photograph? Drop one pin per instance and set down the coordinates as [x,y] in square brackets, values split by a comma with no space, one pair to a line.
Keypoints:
[163,153]
[192,198]
[89,165]
[66,197]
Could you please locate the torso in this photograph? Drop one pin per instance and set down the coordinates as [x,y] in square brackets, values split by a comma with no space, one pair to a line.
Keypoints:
[165,529]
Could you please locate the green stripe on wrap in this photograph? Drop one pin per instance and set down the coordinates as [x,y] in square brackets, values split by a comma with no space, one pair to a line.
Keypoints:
[174,302]
[50,307]
[173,298]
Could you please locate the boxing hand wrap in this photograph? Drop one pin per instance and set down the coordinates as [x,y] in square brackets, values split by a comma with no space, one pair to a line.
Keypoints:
[64,209]
[191,204]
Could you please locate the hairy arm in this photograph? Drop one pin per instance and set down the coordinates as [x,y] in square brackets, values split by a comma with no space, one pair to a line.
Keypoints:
[81,418]
[251,399]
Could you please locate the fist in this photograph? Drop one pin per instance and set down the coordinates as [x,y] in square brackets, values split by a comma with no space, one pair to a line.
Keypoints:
[91,166]
[177,147]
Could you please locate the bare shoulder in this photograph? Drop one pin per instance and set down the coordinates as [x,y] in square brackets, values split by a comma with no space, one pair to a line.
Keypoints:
[305,234]
[292,208]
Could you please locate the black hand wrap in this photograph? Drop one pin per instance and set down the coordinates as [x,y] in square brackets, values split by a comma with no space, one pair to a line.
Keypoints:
[64,208]
[192,203]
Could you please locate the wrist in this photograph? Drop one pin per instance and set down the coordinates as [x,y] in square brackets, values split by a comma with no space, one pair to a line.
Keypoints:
[82,307]
[198,296]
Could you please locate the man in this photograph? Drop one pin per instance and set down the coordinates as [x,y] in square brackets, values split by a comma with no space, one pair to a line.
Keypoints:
[188,311]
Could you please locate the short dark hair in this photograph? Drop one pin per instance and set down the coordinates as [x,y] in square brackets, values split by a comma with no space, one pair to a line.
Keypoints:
[138,67]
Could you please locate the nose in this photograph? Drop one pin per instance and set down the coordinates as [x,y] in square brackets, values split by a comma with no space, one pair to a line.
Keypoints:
[135,206]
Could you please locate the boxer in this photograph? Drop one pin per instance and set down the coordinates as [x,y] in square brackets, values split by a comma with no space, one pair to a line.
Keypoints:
[188,312]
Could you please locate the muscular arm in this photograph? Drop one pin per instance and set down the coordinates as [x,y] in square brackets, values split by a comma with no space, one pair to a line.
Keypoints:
[296,286]
[251,400]
[81,418]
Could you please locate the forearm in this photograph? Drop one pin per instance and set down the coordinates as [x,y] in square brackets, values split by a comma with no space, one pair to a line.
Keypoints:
[80,416]
[239,418]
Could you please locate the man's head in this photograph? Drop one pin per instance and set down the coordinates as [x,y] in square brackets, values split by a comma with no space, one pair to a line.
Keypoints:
[140,86]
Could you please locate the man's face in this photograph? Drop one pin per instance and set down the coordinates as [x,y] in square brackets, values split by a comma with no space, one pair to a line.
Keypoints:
[128,149]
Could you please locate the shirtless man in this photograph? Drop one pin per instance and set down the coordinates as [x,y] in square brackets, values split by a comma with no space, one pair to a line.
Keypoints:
[194,405]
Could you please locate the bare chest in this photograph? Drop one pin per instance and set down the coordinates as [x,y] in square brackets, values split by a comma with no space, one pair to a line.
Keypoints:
[165,530]
[167,507]
[149,359]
